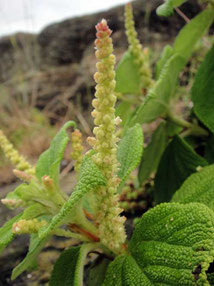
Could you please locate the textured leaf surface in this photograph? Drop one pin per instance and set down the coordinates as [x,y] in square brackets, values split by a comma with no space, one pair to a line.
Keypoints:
[156,102]
[188,37]
[90,177]
[68,270]
[124,271]
[166,9]
[172,245]
[152,153]
[199,187]
[127,76]
[129,152]
[203,91]
[177,163]
[49,161]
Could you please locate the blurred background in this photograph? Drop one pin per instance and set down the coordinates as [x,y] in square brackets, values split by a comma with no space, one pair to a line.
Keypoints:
[46,78]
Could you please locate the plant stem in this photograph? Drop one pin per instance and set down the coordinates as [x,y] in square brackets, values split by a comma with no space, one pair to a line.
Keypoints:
[193,129]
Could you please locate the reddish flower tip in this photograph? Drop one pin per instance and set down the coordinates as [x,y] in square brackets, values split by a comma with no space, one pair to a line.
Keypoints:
[101,27]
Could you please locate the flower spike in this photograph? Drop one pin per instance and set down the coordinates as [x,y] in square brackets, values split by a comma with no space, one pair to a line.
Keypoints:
[136,49]
[111,229]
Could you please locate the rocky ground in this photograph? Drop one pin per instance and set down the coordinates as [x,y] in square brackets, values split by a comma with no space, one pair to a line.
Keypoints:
[56,68]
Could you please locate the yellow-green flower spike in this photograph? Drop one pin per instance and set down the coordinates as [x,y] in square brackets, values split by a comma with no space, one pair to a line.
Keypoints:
[111,224]
[77,149]
[28,226]
[140,54]
[13,155]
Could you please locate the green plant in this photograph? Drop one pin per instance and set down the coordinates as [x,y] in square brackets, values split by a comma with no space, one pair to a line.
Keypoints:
[173,243]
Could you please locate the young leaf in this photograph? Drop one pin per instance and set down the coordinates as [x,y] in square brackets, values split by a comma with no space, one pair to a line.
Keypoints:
[153,153]
[49,161]
[199,187]
[166,54]
[157,101]
[68,269]
[129,152]
[192,32]
[37,246]
[127,76]
[6,235]
[166,9]
[177,163]
[90,177]
[172,244]
[203,90]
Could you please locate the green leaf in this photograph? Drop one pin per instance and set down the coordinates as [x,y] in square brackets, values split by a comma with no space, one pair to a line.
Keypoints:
[192,32]
[172,245]
[124,271]
[166,54]
[6,235]
[166,9]
[203,90]
[89,178]
[124,111]
[157,101]
[127,75]
[69,268]
[199,187]
[129,152]
[36,247]
[152,153]
[49,161]
[178,162]
[97,271]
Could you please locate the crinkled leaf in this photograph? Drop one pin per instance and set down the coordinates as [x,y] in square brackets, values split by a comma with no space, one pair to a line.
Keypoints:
[68,269]
[152,153]
[129,152]
[203,91]
[157,100]
[192,32]
[124,271]
[199,187]
[166,9]
[36,247]
[127,75]
[166,54]
[49,161]
[178,162]
[172,245]
[90,177]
